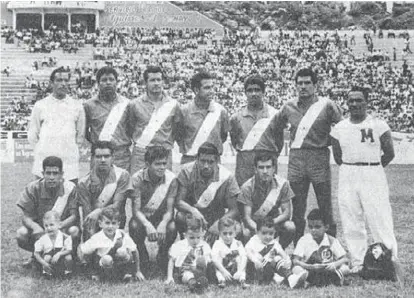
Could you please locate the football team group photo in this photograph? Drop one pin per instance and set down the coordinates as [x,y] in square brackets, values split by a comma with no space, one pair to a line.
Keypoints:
[213,149]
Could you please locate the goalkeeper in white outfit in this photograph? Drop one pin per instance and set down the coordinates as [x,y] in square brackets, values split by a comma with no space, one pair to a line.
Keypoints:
[362,146]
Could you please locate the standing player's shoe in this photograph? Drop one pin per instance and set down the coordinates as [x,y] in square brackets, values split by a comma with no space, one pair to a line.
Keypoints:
[297,280]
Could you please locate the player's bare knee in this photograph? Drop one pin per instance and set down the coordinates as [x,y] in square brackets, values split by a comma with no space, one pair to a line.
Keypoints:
[106,261]
[22,234]
[68,258]
[135,227]
[171,228]
[122,255]
[74,231]
[180,221]
[22,237]
[289,227]
[47,258]
[344,269]
[247,234]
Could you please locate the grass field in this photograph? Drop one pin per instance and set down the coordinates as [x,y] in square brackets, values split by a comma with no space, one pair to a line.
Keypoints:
[19,282]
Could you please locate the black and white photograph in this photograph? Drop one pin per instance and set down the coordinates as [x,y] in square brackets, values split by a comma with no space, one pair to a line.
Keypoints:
[207,149]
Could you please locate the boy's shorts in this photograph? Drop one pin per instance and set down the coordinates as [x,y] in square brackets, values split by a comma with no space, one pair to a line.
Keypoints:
[324,278]
[60,267]
[182,275]
[266,274]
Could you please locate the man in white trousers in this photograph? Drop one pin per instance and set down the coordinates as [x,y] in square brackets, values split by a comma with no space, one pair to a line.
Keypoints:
[362,146]
[57,127]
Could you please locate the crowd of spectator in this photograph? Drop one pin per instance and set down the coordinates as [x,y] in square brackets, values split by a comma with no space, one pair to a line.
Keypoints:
[17,114]
[53,38]
[276,58]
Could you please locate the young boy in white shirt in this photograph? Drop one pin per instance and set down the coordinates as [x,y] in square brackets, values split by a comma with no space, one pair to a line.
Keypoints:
[320,255]
[54,249]
[228,255]
[267,259]
[190,257]
[112,253]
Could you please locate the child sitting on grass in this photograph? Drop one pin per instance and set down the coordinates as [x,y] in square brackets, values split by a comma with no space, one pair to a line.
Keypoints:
[319,255]
[229,255]
[53,250]
[111,252]
[267,259]
[190,257]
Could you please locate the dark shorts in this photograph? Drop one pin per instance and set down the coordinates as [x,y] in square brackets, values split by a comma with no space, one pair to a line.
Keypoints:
[266,274]
[309,164]
[322,279]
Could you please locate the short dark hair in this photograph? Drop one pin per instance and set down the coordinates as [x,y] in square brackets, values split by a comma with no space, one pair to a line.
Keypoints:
[226,222]
[102,145]
[306,72]
[363,90]
[316,214]
[110,213]
[193,224]
[58,70]
[106,70]
[155,152]
[265,222]
[207,148]
[198,77]
[264,156]
[52,161]
[152,69]
[255,80]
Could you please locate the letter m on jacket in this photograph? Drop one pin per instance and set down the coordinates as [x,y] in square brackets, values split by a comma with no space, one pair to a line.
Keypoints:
[367,134]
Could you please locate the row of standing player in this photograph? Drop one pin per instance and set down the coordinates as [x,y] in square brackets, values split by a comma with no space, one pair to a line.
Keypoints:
[257,127]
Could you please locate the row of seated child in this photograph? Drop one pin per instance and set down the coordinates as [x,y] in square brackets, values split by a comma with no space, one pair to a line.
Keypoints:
[318,259]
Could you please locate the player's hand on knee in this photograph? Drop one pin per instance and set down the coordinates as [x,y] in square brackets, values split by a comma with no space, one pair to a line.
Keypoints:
[55,259]
[47,267]
[152,233]
[161,232]
[227,276]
